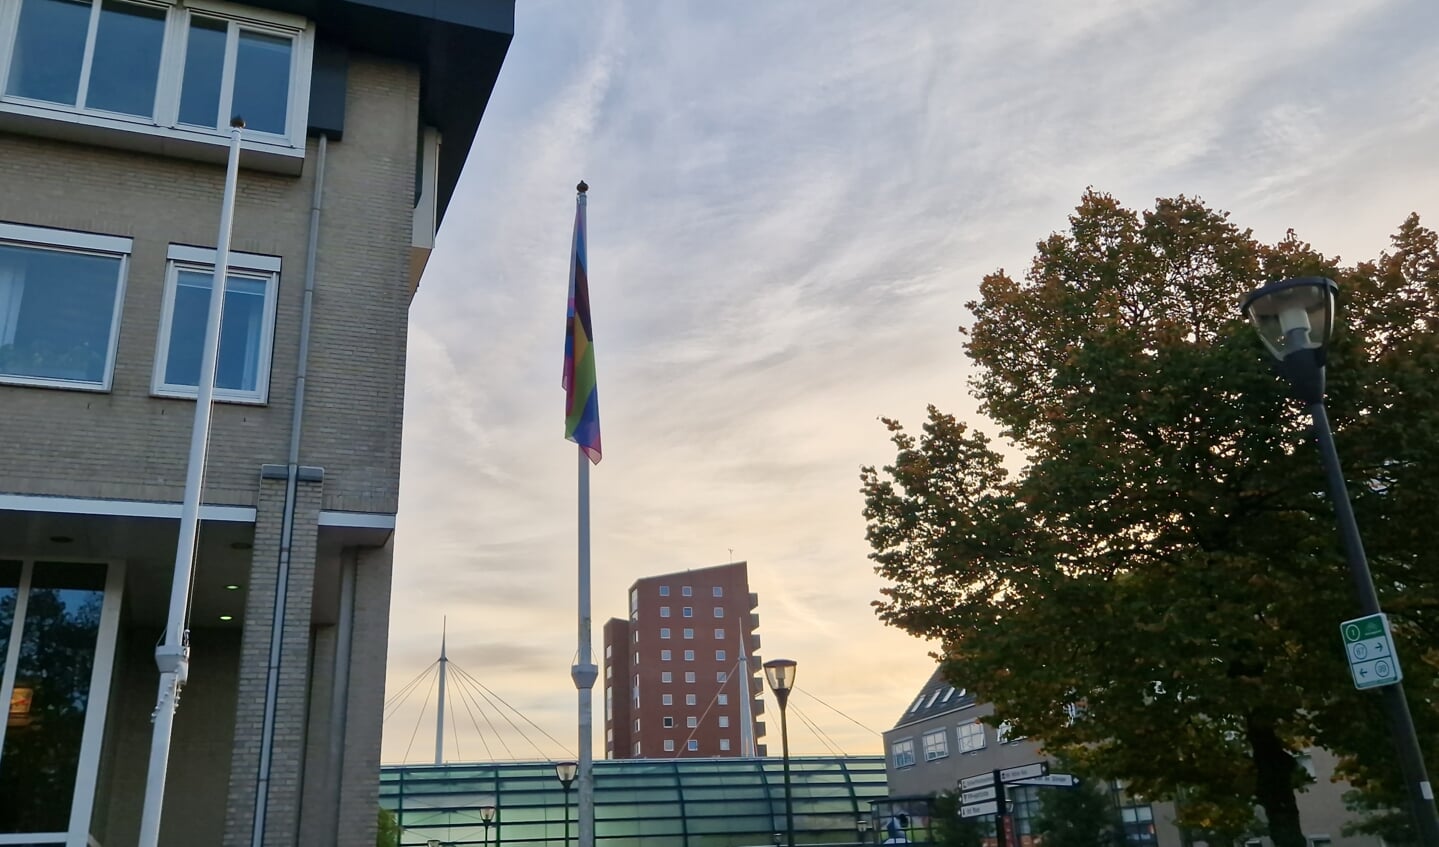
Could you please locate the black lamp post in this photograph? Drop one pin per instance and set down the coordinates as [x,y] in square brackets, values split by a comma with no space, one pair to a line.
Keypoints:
[487,817]
[565,773]
[780,673]
[1295,318]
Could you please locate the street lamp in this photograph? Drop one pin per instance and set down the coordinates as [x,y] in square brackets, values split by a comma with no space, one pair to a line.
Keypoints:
[487,817]
[780,673]
[863,825]
[1295,319]
[565,773]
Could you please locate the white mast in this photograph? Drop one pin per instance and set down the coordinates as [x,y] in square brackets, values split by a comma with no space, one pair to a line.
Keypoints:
[747,745]
[440,712]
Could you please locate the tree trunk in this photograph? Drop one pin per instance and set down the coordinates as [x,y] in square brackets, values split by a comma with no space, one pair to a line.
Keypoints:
[1274,787]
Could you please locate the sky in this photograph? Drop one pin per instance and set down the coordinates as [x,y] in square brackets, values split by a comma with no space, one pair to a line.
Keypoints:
[790,204]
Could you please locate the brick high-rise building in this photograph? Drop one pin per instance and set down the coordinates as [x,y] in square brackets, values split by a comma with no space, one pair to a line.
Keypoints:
[674,685]
[114,133]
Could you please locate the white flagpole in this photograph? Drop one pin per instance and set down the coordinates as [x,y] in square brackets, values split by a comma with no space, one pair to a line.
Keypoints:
[584,670]
[172,655]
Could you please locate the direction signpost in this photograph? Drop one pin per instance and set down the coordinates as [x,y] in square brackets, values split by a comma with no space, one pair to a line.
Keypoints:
[975,781]
[1024,772]
[979,809]
[1053,780]
[978,795]
[1369,647]
[983,794]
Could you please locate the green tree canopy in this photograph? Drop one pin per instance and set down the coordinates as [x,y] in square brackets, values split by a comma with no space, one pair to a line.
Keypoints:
[1156,591]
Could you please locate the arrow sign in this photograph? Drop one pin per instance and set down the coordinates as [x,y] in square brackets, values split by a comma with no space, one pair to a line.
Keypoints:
[990,808]
[1024,772]
[976,781]
[1053,780]
[977,795]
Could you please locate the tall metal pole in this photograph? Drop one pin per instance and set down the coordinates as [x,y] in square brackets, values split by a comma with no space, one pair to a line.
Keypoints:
[440,709]
[584,672]
[1396,708]
[172,656]
[783,697]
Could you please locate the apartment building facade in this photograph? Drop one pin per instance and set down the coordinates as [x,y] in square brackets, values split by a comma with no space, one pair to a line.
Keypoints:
[940,740]
[680,674]
[114,126]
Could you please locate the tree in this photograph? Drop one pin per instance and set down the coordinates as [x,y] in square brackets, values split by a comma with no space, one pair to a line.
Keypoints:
[1156,591]
[1082,816]
[388,829]
[948,829]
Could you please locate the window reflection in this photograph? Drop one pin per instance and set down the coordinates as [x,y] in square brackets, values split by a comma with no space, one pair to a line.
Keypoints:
[125,67]
[241,329]
[204,71]
[40,758]
[262,81]
[49,50]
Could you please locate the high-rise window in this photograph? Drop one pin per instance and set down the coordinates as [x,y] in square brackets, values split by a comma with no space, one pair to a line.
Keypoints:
[689,676]
[664,632]
[689,633]
[692,722]
[971,737]
[902,753]
[689,699]
[719,655]
[692,745]
[665,655]
[689,655]
[664,591]
[719,634]
[718,591]
[666,676]
[719,611]
[687,590]
[688,611]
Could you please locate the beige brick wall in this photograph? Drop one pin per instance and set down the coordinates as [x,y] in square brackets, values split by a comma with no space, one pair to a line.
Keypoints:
[126,444]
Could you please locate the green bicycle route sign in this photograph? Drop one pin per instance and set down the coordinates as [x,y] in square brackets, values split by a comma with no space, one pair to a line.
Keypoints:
[1369,647]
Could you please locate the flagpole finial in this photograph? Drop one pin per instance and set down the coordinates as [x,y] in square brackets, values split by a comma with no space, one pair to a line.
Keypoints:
[582,187]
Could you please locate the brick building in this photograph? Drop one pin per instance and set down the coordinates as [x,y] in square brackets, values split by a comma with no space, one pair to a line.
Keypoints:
[674,683]
[113,136]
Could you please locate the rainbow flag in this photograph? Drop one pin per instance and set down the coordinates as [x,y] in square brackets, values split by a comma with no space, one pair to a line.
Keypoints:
[582,396]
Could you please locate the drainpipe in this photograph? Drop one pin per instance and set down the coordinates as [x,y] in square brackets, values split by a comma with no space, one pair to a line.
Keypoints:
[287,530]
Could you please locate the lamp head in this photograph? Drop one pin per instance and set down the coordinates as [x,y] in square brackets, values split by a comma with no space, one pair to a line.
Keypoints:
[780,673]
[565,772]
[487,814]
[1293,314]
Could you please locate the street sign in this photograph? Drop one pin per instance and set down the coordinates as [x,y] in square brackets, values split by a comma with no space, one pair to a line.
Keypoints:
[1053,780]
[1369,646]
[1024,772]
[976,781]
[977,795]
[978,809]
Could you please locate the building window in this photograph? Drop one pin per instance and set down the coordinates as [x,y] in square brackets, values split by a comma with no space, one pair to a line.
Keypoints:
[667,699]
[691,722]
[687,591]
[101,60]
[664,591]
[971,737]
[721,676]
[669,722]
[637,724]
[688,611]
[609,650]
[637,748]
[722,700]
[242,372]
[1024,808]
[689,676]
[718,591]
[666,676]
[724,744]
[689,700]
[60,298]
[669,745]
[689,655]
[637,657]
[936,745]
[664,611]
[719,655]
[689,634]
[692,745]
[637,636]
[719,634]
[665,655]
[634,602]
[902,753]
[664,632]
[719,611]
[1138,821]
[723,721]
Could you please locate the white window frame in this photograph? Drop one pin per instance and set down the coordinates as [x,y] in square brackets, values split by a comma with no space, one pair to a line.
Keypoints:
[665,655]
[690,677]
[692,745]
[720,655]
[664,632]
[692,722]
[966,737]
[724,744]
[724,721]
[719,634]
[669,745]
[90,244]
[667,722]
[82,802]
[664,591]
[666,676]
[163,123]
[667,699]
[935,744]
[690,700]
[722,700]
[687,590]
[718,591]
[202,260]
[901,753]
[689,634]
[689,655]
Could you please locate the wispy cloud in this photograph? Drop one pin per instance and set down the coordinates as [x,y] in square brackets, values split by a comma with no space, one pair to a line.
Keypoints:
[791,205]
